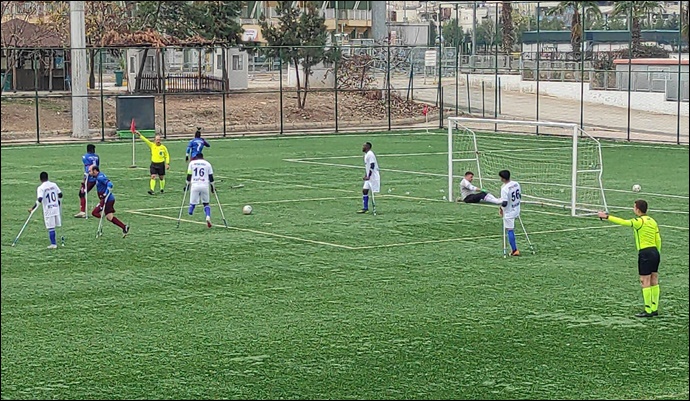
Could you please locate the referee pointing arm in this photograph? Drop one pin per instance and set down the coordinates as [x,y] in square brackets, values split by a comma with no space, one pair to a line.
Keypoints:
[160,161]
[648,244]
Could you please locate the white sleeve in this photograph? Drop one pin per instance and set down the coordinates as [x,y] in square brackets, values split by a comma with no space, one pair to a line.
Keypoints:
[39,192]
[210,168]
[504,193]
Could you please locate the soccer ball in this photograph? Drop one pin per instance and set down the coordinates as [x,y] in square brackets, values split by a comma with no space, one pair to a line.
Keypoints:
[636,188]
[247,209]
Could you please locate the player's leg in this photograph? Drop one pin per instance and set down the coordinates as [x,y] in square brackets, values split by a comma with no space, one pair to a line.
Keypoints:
[375,184]
[194,196]
[473,198]
[365,197]
[161,179]
[509,223]
[96,212]
[110,216]
[491,199]
[205,200]
[655,292]
[51,222]
[645,265]
[82,199]
[152,182]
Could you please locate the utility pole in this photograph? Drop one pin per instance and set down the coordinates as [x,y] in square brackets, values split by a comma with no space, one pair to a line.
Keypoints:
[78,71]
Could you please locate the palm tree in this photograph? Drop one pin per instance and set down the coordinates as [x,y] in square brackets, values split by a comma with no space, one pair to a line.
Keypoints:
[636,11]
[591,10]
[507,26]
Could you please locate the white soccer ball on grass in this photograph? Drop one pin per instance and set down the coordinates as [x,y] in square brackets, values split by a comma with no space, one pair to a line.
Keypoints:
[247,209]
[636,188]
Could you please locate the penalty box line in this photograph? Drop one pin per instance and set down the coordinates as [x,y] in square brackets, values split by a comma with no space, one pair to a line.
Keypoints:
[249,230]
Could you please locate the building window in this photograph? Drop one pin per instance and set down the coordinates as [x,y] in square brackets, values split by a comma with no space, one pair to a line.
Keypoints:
[237,62]
[219,61]
[132,65]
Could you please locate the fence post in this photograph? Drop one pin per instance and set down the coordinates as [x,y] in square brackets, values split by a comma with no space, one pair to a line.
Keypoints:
[538,63]
[280,74]
[440,110]
[469,99]
[680,44]
[629,67]
[483,104]
[388,81]
[100,70]
[335,82]
[224,74]
[582,68]
[38,126]
[162,72]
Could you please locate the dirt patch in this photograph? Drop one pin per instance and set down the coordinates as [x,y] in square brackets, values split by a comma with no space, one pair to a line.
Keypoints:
[244,111]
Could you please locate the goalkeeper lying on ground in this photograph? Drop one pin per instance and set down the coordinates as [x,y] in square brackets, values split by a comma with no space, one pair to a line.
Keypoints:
[469,194]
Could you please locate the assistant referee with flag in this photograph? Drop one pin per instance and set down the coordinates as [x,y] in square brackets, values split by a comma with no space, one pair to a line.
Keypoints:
[648,244]
[160,161]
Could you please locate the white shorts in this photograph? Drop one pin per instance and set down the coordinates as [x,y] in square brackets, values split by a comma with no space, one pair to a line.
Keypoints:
[52,221]
[509,221]
[199,194]
[374,184]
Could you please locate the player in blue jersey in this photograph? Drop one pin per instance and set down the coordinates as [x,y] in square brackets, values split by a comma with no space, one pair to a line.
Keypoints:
[107,204]
[89,159]
[196,146]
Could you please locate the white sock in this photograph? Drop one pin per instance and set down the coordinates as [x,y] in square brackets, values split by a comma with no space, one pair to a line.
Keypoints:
[492,199]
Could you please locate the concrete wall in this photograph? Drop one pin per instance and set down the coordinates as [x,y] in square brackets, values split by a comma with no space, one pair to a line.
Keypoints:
[644,101]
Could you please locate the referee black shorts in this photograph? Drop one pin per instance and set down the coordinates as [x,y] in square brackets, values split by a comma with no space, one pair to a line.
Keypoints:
[648,260]
[157,168]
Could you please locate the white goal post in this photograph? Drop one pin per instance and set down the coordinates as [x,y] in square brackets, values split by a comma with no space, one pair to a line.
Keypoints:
[562,167]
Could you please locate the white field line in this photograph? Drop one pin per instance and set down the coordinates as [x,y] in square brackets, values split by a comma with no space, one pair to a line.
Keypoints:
[289,237]
[436,241]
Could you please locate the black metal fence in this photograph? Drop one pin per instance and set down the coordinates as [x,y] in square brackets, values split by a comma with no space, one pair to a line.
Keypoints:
[368,88]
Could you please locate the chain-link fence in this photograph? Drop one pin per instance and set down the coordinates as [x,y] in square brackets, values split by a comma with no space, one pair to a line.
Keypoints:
[375,87]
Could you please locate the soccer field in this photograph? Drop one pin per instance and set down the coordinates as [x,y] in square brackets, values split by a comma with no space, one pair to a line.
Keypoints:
[305,299]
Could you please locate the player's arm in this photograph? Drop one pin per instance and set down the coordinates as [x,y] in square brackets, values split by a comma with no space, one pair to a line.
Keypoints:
[658,240]
[634,223]
[469,185]
[210,179]
[167,157]
[39,199]
[208,145]
[188,151]
[145,139]
[370,170]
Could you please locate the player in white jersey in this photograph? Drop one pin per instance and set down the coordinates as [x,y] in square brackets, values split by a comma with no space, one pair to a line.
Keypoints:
[469,194]
[49,195]
[372,177]
[199,181]
[510,208]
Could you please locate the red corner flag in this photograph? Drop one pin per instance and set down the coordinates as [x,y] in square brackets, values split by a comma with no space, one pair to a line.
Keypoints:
[425,111]
[133,127]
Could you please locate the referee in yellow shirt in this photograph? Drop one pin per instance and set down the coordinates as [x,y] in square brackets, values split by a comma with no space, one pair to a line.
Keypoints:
[160,161]
[648,244]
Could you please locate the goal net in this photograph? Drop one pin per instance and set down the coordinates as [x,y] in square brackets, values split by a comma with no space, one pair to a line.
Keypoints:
[561,166]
